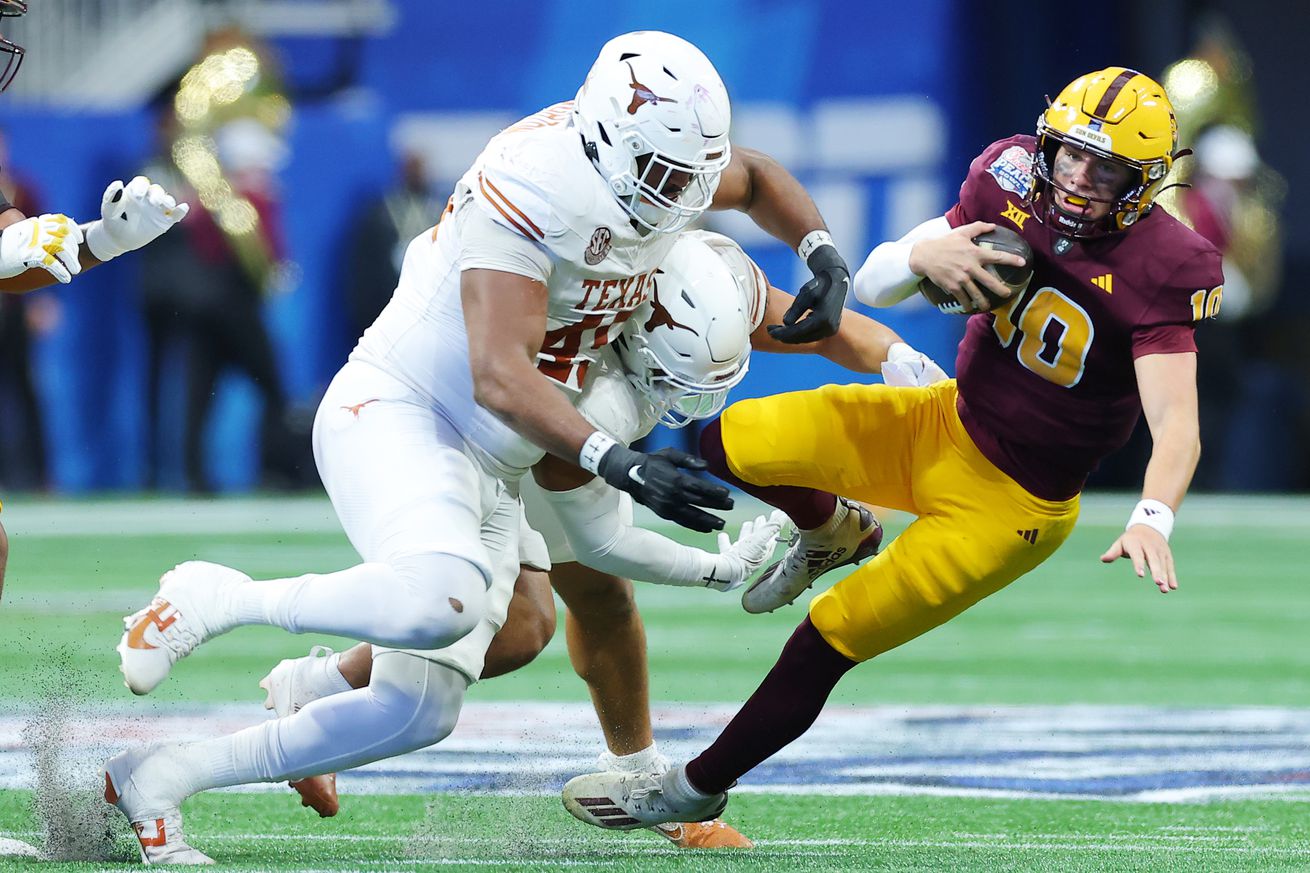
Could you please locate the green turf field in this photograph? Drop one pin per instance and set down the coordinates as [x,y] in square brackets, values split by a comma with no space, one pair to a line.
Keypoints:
[1229,642]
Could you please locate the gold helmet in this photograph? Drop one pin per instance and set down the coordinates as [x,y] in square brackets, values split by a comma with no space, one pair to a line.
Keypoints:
[1117,114]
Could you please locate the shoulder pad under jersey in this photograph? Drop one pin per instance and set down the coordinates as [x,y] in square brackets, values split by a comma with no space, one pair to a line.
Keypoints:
[537,182]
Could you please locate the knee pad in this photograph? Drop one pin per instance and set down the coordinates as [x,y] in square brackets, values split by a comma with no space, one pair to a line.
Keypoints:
[422,698]
[446,597]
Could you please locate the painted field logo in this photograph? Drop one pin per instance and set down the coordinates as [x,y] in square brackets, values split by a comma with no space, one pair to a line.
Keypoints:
[1143,754]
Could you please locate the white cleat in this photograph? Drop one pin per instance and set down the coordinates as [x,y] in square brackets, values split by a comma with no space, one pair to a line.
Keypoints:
[143,784]
[627,801]
[189,609]
[288,687]
[852,535]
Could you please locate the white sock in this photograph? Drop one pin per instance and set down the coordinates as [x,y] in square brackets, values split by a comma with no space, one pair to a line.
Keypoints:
[335,679]
[425,601]
[838,516]
[647,760]
[410,704]
[679,786]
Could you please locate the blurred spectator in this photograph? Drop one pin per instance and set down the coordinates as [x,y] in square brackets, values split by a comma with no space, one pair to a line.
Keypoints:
[1233,200]
[22,318]
[204,295]
[380,240]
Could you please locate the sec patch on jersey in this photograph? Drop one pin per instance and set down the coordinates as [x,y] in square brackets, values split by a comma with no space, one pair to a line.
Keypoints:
[1017,278]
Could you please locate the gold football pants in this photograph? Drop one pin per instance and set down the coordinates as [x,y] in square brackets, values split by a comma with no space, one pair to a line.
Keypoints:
[905,448]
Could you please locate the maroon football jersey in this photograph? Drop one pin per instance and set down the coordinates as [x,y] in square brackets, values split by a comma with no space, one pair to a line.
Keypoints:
[1047,386]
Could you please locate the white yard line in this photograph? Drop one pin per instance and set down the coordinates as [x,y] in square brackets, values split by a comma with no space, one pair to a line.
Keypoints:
[44,517]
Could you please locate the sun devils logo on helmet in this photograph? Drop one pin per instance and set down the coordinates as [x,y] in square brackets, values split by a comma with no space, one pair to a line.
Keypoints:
[642,95]
[599,247]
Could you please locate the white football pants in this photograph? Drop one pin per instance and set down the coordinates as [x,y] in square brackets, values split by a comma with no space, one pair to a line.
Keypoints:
[428,522]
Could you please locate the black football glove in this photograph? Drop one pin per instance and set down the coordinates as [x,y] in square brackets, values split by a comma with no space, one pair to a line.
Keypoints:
[656,480]
[824,296]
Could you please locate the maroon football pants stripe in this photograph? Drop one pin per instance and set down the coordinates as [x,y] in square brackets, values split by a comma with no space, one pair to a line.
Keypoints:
[807,507]
[784,706]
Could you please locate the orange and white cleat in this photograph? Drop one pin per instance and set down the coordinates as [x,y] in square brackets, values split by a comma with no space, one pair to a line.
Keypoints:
[289,686]
[716,834]
[191,607]
[145,785]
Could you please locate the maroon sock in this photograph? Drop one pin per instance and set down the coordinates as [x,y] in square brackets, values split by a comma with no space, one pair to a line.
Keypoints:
[806,507]
[781,709]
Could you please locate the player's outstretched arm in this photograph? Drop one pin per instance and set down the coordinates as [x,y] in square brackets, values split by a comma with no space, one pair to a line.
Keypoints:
[131,216]
[1167,384]
[588,510]
[505,316]
[860,343]
[759,186]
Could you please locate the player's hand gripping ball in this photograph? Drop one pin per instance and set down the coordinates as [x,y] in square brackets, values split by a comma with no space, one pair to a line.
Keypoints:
[1017,278]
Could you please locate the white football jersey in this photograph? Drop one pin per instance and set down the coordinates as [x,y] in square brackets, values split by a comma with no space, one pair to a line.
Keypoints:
[611,402]
[534,180]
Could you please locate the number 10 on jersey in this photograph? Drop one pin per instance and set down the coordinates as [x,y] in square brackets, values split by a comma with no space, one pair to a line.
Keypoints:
[1055,335]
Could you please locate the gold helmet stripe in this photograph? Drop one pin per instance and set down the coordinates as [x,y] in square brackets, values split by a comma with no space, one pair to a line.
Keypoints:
[1107,99]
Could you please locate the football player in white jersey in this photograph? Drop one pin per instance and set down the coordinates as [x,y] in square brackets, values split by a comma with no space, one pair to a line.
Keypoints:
[681,354]
[547,245]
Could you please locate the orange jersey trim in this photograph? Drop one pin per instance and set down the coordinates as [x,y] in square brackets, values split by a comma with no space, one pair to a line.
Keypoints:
[487,184]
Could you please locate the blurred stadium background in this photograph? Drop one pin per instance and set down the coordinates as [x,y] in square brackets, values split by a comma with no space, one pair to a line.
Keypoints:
[877,108]
[340,125]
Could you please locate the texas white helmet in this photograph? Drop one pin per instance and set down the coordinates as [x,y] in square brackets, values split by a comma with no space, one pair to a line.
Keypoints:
[654,119]
[690,343]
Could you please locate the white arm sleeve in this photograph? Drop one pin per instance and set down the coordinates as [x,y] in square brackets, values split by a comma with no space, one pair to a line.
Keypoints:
[486,245]
[590,517]
[886,278]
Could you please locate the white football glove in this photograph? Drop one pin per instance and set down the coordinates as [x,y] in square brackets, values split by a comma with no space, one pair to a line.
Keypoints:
[46,241]
[907,368]
[738,561]
[131,216]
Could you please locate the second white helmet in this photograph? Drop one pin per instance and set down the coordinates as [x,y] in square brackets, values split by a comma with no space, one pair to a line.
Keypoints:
[654,117]
[690,344]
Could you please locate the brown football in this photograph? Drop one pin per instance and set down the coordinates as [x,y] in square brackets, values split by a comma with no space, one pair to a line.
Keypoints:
[1017,278]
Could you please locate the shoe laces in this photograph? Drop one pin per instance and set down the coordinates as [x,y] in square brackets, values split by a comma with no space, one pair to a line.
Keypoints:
[180,637]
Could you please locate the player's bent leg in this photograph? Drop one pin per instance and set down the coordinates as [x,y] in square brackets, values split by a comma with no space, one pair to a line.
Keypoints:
[529,625]
[295,682]
[844,439]
[410,703]
[781,709]
[421,601]
[930,574]
[607,647]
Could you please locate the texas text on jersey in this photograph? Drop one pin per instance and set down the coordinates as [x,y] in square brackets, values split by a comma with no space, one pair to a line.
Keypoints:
[534,181]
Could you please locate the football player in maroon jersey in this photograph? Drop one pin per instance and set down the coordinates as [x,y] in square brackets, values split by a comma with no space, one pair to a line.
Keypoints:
[1048,384]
